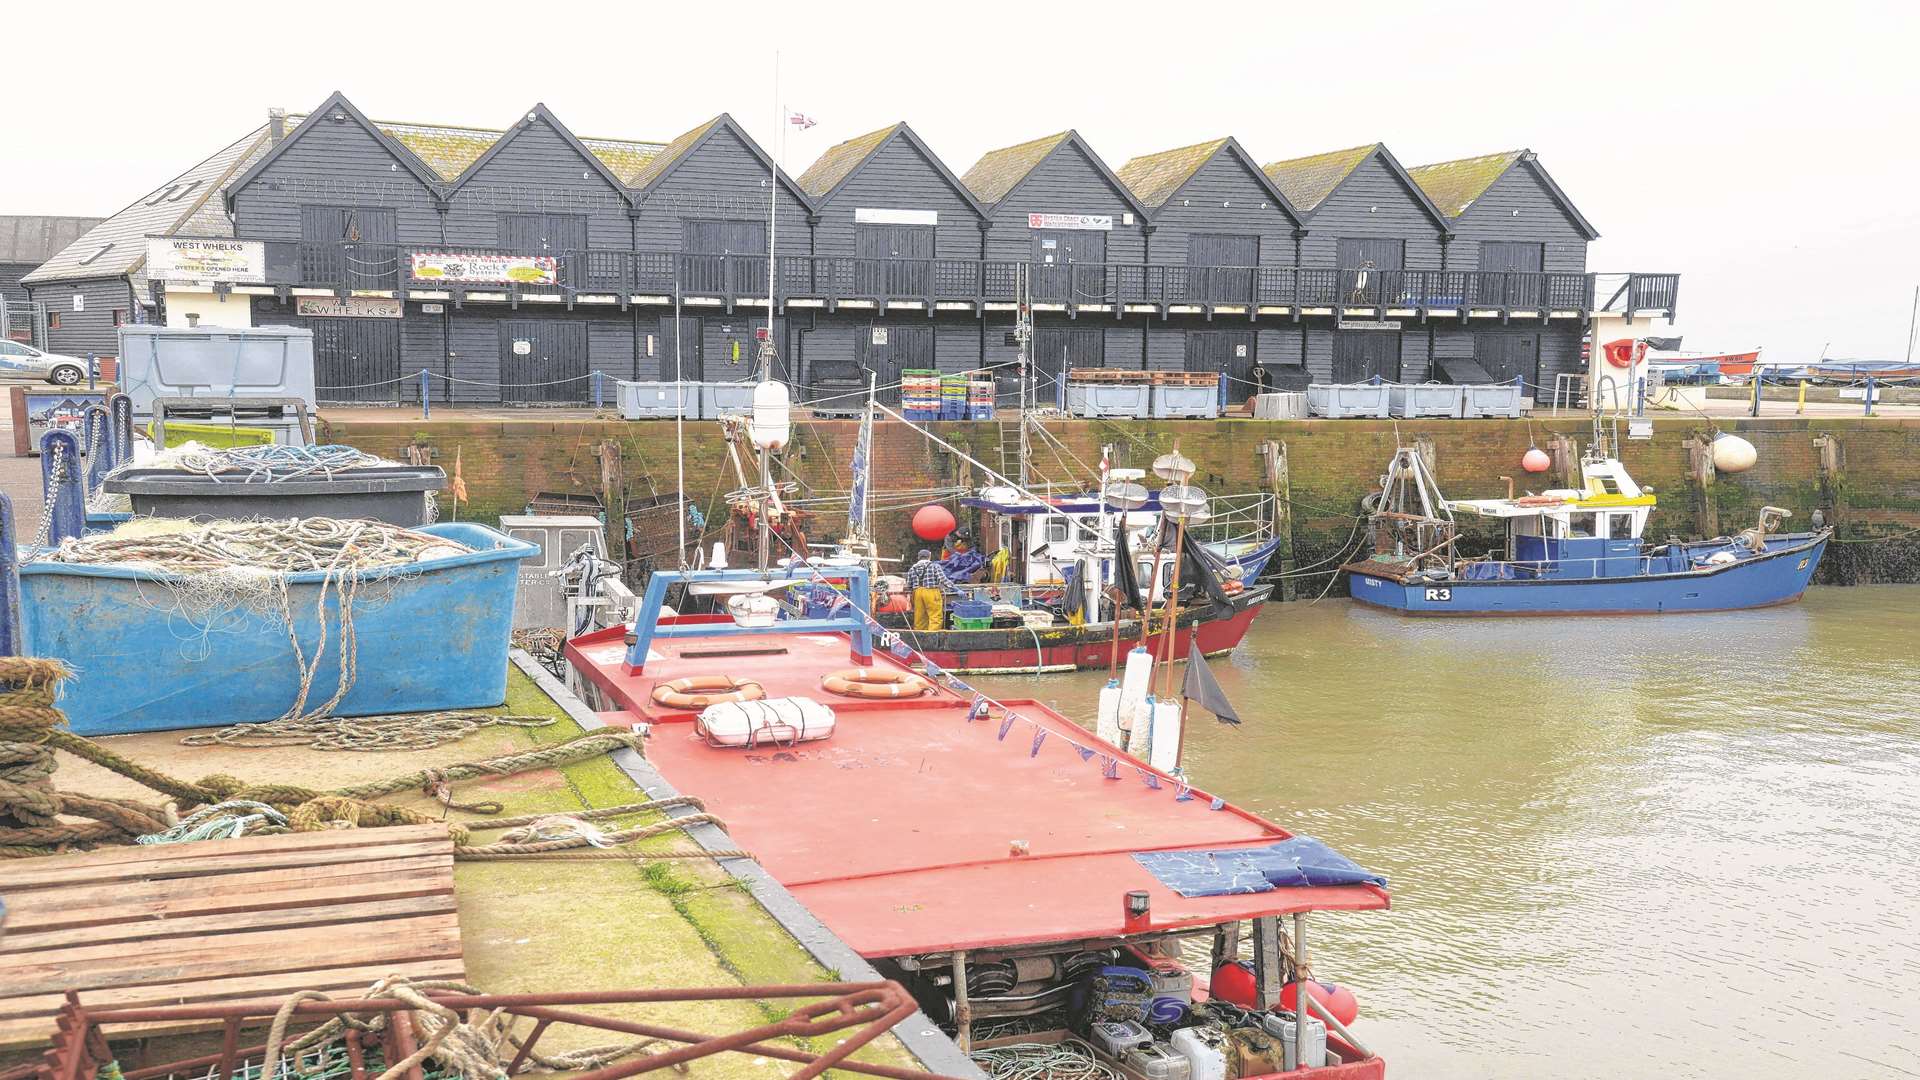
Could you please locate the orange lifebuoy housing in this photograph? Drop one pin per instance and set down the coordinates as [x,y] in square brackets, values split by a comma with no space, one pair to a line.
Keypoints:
[1620,353]
[700,691]
[876,683]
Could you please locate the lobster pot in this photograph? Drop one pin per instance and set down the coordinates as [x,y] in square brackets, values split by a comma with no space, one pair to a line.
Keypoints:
[773,722]
[428,636]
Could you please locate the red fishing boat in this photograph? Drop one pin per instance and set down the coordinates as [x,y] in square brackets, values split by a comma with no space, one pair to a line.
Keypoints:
[1029,882]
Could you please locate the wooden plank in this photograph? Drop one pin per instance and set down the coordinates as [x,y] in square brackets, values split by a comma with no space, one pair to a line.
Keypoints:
[426,938]
[36,1027]
[245,845]
[49,909]
[350,979]
[202,864]
[355,906]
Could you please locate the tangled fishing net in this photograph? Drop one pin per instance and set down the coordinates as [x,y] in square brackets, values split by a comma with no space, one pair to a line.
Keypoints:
[218,573]
[261,464]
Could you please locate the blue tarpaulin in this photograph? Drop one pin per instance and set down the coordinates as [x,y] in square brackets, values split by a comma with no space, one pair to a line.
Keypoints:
[1300,860]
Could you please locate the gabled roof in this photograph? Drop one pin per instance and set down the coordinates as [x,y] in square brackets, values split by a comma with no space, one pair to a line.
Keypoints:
[337,106]
[540,114]
[1158,178]
[1454,186]
[687,145]
[1310,181]
[999,173]
[840,164]
[32,239]
[118,245]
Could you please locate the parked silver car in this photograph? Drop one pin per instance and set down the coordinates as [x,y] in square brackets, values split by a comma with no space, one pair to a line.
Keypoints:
[18,358]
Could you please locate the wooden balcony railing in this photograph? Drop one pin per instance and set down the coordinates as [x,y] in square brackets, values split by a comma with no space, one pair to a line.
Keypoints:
[837,278]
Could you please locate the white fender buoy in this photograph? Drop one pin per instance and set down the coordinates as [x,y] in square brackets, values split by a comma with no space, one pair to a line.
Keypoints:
[1166,735]
[1733,454]
[1107,725]
[1140,739]
[1133,689]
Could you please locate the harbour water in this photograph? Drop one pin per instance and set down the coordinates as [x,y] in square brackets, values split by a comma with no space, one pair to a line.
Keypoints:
[1684,846]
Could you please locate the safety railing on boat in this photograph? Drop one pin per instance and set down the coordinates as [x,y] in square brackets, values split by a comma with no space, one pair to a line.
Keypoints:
[1533,567]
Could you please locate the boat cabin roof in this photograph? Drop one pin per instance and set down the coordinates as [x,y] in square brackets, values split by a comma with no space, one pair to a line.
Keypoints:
[1608,487]
[1082,503]
[898,831]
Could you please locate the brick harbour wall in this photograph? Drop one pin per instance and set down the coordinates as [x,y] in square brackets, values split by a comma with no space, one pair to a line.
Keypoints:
[1864,474]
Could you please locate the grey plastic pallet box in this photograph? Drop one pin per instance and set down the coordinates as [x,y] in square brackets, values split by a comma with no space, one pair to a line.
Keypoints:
[1408,400]
[215,362]
[1285,405]
[1492,399]
[1120,400]
[656,400]
[718,399]
[1188,402]
[1337,400]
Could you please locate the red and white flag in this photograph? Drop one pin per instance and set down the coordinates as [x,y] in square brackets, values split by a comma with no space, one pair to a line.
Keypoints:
[800,120]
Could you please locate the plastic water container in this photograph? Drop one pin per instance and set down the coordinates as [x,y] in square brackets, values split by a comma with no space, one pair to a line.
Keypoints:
[1205,1049]
[773,722]
[1313,1045]
[1157,1062]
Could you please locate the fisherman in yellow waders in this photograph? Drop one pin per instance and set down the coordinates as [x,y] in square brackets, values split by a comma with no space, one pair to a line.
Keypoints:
[929,585]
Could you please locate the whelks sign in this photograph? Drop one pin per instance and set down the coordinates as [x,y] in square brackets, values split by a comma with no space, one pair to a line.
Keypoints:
[349,307]
[486,269]
[1097,222]
[187,262]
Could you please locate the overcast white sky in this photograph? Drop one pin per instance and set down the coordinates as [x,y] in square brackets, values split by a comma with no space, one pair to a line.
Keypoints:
[1767,152]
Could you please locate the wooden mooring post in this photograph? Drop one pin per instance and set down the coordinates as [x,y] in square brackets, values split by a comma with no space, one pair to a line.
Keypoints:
[1273,454]
[1700,474]
[613,501]
[1830,458]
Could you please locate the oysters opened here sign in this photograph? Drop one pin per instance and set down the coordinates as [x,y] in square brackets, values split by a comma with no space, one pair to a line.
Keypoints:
[485,269]
[180,261]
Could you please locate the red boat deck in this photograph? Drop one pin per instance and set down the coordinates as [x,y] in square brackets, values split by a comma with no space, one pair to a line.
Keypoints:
[898,831]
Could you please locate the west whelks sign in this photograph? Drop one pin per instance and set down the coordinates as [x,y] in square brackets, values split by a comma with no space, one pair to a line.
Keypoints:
[181,261]
[485,269]
[1095,222]
[865,215]
[347,307]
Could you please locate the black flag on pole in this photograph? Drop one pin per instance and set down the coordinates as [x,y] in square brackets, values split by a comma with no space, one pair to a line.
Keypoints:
[1203,689]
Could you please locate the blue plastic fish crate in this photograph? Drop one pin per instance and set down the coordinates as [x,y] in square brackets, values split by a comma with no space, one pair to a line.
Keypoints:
[921,414]
[980,412]
[953,410]
[431,635]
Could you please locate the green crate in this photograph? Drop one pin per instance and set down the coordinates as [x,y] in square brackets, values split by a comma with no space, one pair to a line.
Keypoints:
[972,624]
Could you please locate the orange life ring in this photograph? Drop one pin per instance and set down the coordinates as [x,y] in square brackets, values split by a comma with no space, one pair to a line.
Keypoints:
[1619,353]
[876,683]
[700,691]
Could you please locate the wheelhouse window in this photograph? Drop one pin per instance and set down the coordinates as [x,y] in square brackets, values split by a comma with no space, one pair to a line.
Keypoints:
[1619,526]
[1582,525]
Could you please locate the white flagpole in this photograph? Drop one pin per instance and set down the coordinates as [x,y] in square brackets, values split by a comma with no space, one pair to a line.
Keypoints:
[773,213]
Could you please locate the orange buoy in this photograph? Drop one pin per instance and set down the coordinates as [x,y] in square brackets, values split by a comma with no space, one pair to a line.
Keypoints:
[700,691]
[876,683]
[1535,460]
[1336,999]
[932,522]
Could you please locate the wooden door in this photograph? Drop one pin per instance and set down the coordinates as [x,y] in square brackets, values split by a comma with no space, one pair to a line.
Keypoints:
[1507,354]
[353,246]
[1368,266]
[1060,349]
[544,360]
[1510,273]
[356,360]
[1069,266]
[1360,355]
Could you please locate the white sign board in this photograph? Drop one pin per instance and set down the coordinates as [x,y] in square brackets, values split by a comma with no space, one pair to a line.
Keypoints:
[350,307]
[1094,222]
[79,301]
[173,259]
[433,309]
[1366,324]
[879,216]
[879,335]
[485,269]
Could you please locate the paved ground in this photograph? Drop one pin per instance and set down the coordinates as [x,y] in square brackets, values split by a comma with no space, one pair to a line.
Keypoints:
[19,476]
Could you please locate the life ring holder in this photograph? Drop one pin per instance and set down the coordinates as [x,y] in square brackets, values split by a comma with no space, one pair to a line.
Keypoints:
[700,691]
[876,683]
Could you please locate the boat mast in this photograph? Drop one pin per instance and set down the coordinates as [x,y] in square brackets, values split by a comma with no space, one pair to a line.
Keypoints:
[1023,335]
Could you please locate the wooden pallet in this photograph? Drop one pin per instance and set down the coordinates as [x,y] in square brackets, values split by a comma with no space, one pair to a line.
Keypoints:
[1109,375]
[1187,378]
[223,921]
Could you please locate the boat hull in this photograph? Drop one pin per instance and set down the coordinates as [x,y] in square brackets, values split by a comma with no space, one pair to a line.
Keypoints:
[1076,648]
[1777,577]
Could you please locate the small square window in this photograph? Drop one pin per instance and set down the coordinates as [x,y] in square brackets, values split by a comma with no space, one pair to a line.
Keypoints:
[53,320]
[119,316]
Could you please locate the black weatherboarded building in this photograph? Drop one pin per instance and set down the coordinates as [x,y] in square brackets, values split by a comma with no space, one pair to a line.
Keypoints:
[510,264]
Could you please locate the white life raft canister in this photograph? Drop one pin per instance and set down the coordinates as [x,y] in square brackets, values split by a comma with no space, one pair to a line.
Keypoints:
[772,722]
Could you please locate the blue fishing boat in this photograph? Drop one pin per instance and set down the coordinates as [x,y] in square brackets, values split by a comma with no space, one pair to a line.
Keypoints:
[1568,551]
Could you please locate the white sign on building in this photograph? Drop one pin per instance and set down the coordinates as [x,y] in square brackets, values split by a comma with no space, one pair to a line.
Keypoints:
[1095,222]
[880,216]
[485,268]
[347,307]
[188,262]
